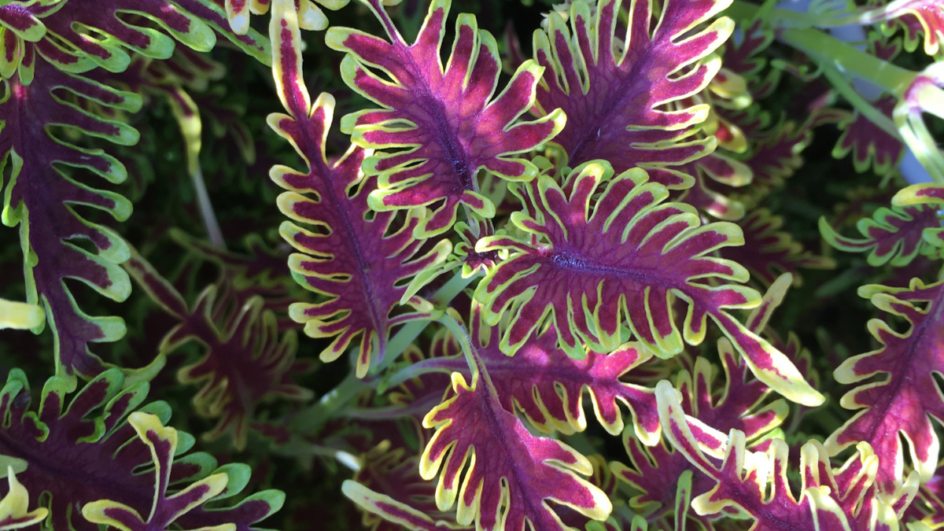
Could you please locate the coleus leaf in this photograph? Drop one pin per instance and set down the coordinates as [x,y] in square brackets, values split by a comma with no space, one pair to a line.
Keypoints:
[893,235]
[613,91]
[192,22]
[20,315]
[768,251]
[162,443]
[606,252]
[446,119]
[928,505]
[746,57]
[907,397]
[921,20]
[247,360]
[396,515]
[738,403]
[69,25]
[777,155]
[931,195]
[20,24]
[22,18]
[463,253]
[261,267]
[72,454]
[871,146]
[41,197]
[390,490]
[13,506]
[657,473]
[547,385]
[77,51]
[844,499]
[508,475]
[310,16]
[710,171]
[356,261]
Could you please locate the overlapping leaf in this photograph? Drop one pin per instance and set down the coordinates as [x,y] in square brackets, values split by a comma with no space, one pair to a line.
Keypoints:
[165,510]
[547,386]
[846,499]
[310,16]
[261,269]
[445,119]
[921,20]
[508,476]
[746,57]
[615,90]
[20,26]
[85,451]
[871,146]
[905,396]
[606,252]
[77,35]
[247,360]
[390,490]
[657,470]
[929,196]
[893,235]
[713,408]
[387,513]
[710,172]
[777,154]
[356,261]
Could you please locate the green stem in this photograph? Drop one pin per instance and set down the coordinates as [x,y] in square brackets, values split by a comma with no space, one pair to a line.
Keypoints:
[303,449]
[309,420]
[410,331]
[827,50]
[877,117]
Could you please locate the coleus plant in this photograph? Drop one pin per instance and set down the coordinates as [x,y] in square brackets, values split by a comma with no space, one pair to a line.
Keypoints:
[506,257]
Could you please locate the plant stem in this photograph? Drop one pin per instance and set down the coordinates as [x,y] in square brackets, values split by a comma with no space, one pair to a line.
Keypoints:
[828,50]
[861,104]
[410,331]
[309,420]
[214,234]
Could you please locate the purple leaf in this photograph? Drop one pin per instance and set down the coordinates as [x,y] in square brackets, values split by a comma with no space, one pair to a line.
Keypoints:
[356,259]
[188,21]
[907,397]
[44,199]
[507,475]
[446,119]
[605,253]
[84,451]
[390,490]
[614,88]
[167,508]
[548,386]
[871,146]
[893,235]
[845,499]
[246,360]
